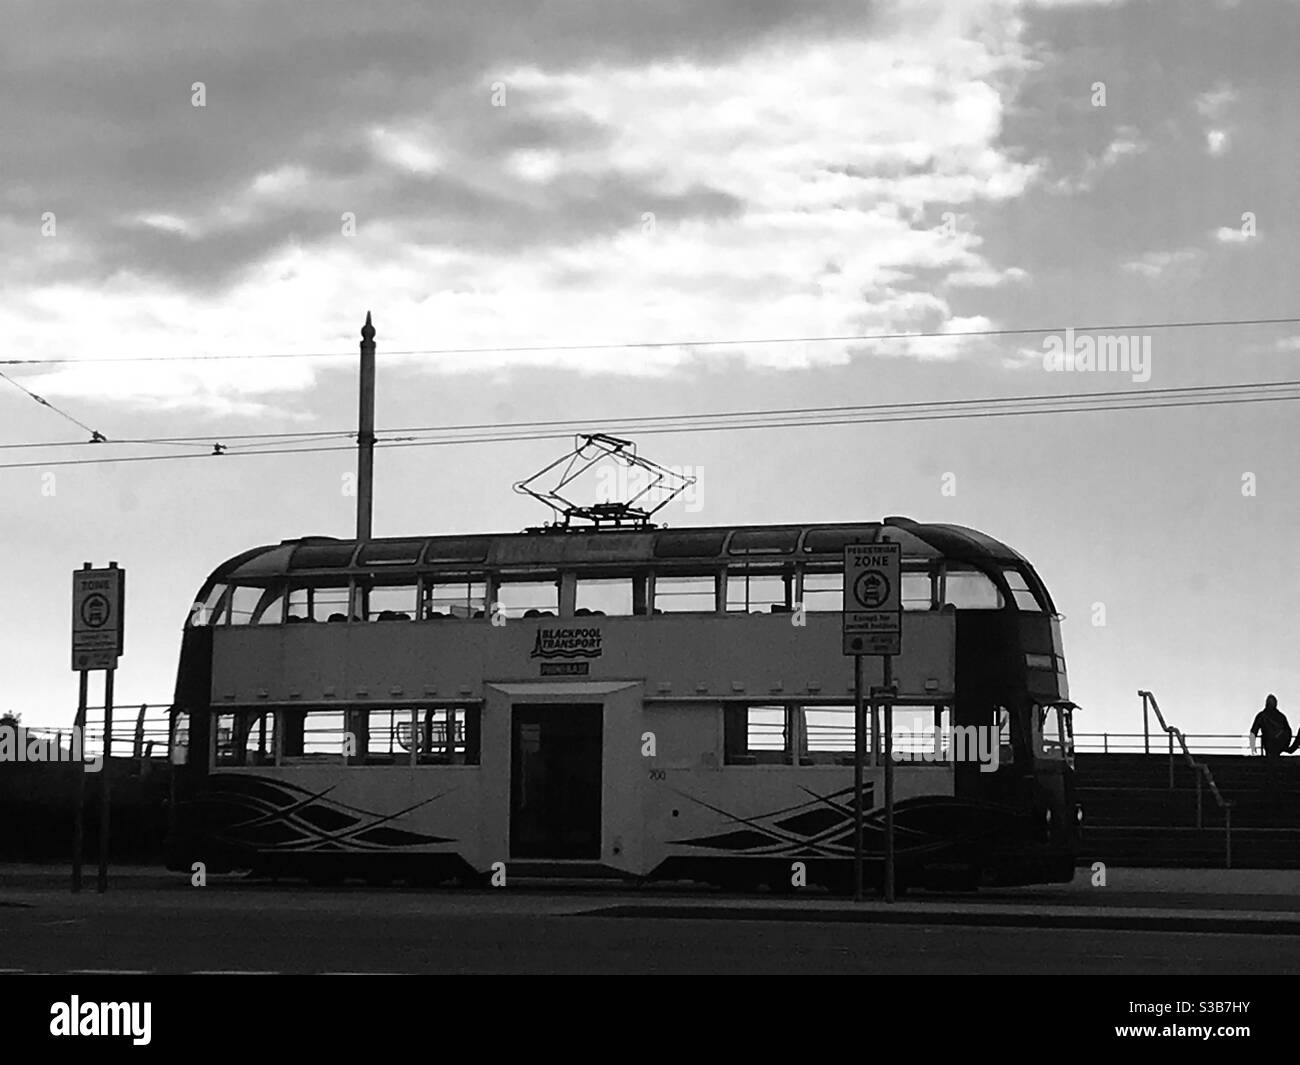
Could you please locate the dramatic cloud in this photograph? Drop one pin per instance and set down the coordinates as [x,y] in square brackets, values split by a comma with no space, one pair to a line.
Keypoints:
[515,174]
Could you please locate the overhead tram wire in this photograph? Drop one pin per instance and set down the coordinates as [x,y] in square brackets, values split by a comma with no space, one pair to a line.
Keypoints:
[96,437]
[659,344]
[1158,396]
[776,419]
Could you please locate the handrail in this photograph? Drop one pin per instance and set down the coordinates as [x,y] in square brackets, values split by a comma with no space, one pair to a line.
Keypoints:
[1227,743]
[1202,771]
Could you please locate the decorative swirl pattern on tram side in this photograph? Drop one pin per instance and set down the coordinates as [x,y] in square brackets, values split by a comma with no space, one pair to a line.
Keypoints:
[823,827]
[265,815]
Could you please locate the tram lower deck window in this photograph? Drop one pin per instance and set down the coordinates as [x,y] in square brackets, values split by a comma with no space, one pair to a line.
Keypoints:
[757,735]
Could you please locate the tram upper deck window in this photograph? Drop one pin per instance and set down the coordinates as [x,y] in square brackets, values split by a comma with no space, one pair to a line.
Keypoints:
[833,541]
[528,598]
[251,604]
[605,595]
[967,588]
[316,602]
[390,553]
[210,609]
[456,549]
[1021,593]
[380,601]
[763,541]
[328,555]
[689,543]
[824,591]
[685,594]
[449,595]
[758,592]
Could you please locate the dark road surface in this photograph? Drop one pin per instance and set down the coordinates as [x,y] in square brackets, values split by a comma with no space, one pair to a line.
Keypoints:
[247,928]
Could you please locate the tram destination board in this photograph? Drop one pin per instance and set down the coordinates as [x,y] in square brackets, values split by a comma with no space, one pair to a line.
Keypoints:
[873,621]
[98,599]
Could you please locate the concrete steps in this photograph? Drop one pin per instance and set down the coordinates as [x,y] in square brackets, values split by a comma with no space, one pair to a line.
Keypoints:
[1133,817]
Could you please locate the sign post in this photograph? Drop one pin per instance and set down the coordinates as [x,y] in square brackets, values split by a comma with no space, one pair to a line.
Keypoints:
[873,625]
[98,603]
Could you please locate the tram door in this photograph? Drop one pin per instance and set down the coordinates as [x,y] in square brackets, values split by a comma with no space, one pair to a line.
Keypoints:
[555,780]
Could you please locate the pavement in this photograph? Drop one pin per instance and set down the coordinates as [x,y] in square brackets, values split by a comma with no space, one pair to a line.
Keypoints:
[1212,899]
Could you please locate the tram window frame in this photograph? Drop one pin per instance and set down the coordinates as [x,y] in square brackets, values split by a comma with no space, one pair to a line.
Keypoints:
[360,723]
[1061,746]
[825,753]
[225,748]
[631,605]
[211,609]
[261,724]
[178,736]
[544,580]
[659,577]
[473,606]
[745,577]
[739,731]
[467,738]
[292,736]
[363,596]
[1018,585]
[835,588]
[312,588]
[266,595]
[964,570]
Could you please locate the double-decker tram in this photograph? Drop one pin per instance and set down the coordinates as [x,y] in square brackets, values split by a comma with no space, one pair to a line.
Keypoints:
[646,703]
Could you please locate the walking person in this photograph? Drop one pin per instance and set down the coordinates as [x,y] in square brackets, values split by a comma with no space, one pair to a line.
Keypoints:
[1273,728]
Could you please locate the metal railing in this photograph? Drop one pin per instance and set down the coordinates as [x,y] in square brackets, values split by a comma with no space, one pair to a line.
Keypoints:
[138,732]
[1202,771]
[1138,743]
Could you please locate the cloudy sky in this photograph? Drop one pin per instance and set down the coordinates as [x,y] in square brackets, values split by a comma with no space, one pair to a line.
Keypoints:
[194,195]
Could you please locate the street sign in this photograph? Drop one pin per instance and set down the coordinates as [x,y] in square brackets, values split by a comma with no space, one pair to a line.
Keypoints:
[98,600]
[873,603]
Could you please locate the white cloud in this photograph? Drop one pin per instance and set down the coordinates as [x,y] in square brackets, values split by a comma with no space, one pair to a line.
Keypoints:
[1214,103]
[406,149]
[1216,140]
[1156,264]
[1126,142]
[1229,235]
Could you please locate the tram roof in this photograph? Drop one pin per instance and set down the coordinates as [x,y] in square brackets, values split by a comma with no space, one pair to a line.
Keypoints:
[559,547]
